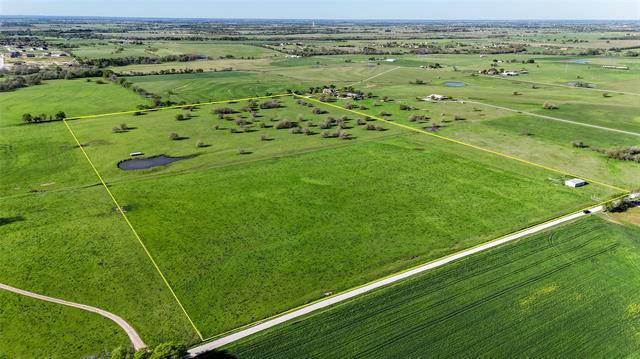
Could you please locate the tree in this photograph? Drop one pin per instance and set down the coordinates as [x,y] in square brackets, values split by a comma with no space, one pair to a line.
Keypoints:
[27,118]
[60,116]
[179,117]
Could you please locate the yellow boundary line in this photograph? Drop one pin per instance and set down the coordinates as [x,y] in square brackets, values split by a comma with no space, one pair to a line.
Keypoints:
[135,233]
[174,107]
[626,192]
[466,144]
[407,270]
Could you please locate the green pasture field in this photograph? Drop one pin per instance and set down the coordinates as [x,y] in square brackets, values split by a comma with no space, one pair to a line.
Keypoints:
[215,86]
[572,291]
[74,245]
[31,328]
[149,134]
[258,253]
[39,157]
[74,97]
[163,48]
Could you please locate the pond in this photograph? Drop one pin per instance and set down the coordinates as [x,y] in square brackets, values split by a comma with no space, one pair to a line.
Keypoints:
[454,84]
[150,162]
[580,61]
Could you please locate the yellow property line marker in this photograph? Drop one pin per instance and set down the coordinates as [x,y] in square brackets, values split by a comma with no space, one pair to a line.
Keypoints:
[135,233]
[466,144]
[174,107]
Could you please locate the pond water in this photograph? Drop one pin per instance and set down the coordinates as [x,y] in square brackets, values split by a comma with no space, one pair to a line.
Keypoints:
[150,162]
[579,61]
[454,84]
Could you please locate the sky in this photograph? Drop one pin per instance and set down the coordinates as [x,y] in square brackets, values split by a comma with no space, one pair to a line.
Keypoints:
[333,9]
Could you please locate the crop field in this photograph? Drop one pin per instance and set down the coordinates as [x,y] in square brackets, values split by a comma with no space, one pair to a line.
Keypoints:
[199,196]
[572,291]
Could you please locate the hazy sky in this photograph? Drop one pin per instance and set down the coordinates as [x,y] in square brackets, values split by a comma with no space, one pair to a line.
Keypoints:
[333,9]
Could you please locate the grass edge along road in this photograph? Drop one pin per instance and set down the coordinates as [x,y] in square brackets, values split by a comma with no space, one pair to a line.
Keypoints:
[445,259]
[134,337]
[357,291]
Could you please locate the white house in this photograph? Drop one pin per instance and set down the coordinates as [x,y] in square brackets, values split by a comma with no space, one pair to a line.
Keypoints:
[575,182]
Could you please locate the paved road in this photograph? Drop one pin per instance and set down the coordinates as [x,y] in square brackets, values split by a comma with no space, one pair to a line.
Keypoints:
[556,118]
[358,291]
[133,335]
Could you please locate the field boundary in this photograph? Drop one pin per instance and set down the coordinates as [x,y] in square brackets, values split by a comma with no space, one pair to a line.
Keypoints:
[233,335]
[465,144]
[135,233]
[560,85]
[417,130]
[603,128]
[174,107]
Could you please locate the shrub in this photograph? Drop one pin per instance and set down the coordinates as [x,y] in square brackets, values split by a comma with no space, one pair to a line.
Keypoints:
[116,129]
[242,151]
[124,127]
[549,106]
[361,122]
[223,110]
[284,124]
[370,127]
[458,118]
[317,111]
[307,131]
[578,144]
[174,136]
[270,104]
[326,124]
[296,130]
[200,144]
[264,138]
[384,114]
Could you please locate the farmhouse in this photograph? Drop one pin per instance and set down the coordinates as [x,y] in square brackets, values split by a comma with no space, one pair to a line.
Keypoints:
[510,73]
[575,182]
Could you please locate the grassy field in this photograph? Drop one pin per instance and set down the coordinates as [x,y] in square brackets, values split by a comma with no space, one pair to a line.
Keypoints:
[569,292]
[276,238]
[32,328]
[74,245]
[251,226]
[74,97]
[164,48]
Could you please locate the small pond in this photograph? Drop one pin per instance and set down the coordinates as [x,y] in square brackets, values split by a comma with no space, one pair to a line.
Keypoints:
[149,162]
[579,61]
[454,84]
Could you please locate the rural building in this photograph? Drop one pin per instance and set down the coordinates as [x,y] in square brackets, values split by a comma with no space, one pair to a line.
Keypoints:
[575,182]
[390,60]
[436,97]
[615,67]
[509,73]
[329,91]
[354,95]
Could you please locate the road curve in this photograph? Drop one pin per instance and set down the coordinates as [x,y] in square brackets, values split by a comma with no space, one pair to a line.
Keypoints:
[133,335]
[386,281]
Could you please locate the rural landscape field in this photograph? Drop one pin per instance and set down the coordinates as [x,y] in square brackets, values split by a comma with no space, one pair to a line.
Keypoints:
[218,187]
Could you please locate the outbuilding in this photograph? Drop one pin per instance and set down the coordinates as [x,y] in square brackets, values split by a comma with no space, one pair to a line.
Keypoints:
[575,182]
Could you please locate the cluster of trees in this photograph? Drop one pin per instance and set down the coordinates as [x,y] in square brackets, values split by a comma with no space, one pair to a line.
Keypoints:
[130,60]
[24,76]
[161,351]
[28,118]
[625,154]
[170,71]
